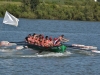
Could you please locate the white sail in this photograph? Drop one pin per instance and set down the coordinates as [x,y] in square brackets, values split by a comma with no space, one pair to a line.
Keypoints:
[10,19]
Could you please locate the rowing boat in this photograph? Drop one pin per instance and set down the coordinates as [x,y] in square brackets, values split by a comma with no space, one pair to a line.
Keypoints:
[61,48]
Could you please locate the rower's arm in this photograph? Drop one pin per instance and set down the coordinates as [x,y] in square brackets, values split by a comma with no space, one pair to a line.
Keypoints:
[65,40]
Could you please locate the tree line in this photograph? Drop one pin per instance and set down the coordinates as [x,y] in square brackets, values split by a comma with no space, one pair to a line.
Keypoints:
[47,9]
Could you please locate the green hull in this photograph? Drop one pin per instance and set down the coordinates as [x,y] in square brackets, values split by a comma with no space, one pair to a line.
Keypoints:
[61,48]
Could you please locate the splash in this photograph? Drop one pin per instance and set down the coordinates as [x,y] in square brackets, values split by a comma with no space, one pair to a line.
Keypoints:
[28,53]
[52,54]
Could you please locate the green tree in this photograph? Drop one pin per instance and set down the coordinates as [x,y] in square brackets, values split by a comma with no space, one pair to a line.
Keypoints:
[32,4]
[25,5]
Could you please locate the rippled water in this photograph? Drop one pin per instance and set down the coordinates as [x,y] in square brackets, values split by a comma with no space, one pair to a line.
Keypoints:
[29,62]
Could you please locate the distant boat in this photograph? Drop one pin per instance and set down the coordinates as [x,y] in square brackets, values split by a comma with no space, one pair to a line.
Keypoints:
[10,19]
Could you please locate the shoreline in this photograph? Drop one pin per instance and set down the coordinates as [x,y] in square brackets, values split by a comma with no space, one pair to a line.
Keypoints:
[56,19]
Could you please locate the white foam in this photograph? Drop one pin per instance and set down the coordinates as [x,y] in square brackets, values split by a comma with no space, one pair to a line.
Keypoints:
[51,54]
[6,50]
[28,56]
[54,54]
[19,47]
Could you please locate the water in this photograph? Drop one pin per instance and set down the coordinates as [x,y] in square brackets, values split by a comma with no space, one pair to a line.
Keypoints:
[29,62]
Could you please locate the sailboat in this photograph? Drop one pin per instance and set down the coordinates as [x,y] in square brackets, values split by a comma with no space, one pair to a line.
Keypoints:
[10,19]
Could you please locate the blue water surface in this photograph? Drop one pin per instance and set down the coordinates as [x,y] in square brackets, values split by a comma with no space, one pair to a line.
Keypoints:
[28,62]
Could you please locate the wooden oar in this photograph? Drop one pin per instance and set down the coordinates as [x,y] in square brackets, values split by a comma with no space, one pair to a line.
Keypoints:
[79,46]
[21,47]
[6,43]
[95,51]
[20,43]
[68,45]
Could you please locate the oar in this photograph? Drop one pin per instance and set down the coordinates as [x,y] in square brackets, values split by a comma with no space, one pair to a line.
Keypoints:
[64,43]
[19,43]
[68,45]
[95,51]
[79,46]
[21,47]
[7,43]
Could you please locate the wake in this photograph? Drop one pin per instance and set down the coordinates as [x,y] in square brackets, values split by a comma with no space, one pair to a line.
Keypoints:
[28,53]
[52,54]
[12,52]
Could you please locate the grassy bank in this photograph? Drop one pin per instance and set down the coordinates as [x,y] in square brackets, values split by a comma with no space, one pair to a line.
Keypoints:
[68,10]
[10,2]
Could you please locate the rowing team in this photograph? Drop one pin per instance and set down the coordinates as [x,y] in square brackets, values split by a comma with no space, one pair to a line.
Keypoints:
[46,41]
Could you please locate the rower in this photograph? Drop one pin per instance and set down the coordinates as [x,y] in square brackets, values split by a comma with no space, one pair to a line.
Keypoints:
[60,39]
[46,42]
[50,41]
